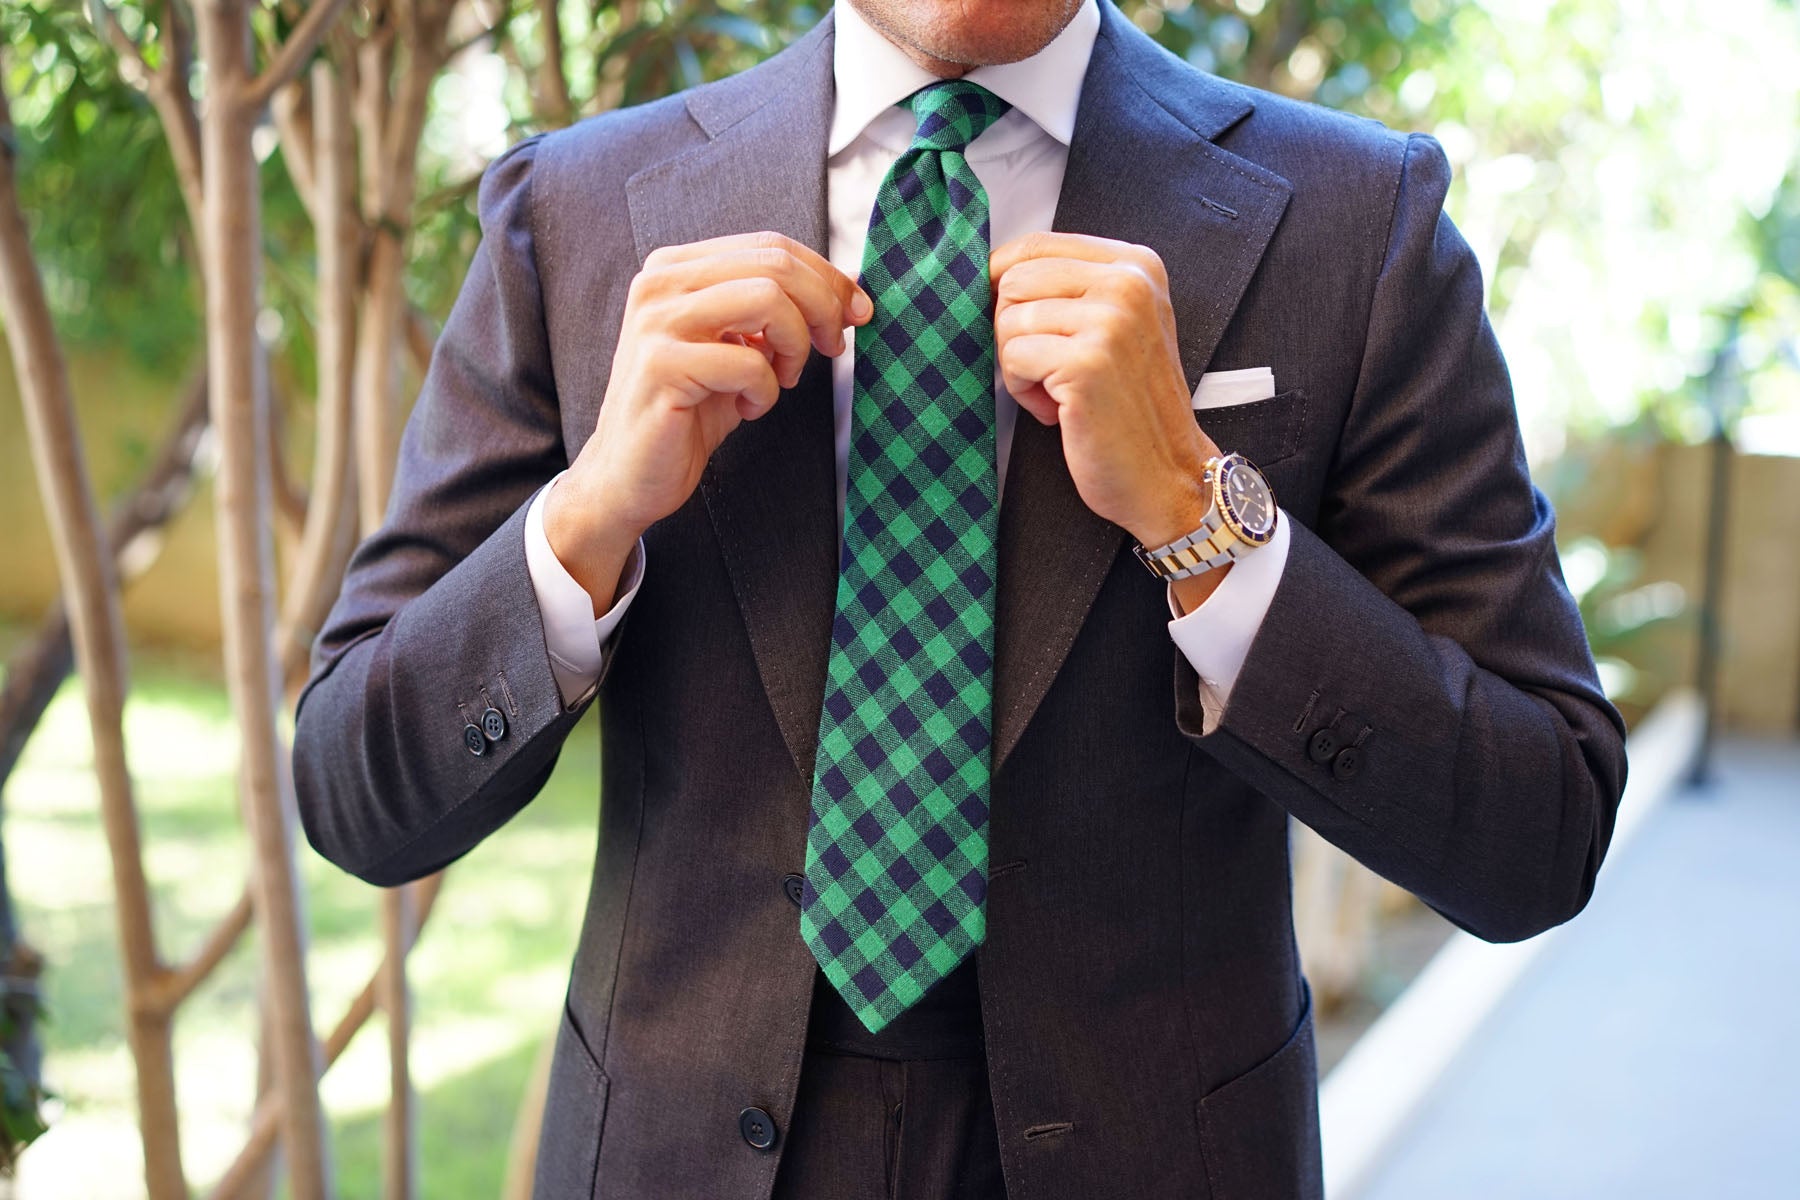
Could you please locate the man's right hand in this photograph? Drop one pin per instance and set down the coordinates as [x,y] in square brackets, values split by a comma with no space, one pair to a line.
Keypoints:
[712,332]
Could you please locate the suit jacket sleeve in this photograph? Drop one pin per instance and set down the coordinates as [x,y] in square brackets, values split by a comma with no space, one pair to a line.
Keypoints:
[437,620]
[1425,622]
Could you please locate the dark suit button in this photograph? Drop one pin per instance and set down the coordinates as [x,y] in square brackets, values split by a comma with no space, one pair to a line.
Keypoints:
[794,886]
[758,1128]
[474,740]
[493,724]
[1348,762]
[1324,744]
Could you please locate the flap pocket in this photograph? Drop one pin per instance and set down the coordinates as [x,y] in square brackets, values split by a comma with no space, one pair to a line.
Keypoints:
[574,1109]
[1259,1132]
[1263,431]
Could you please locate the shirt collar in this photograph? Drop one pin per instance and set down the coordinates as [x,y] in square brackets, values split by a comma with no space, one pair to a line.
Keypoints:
[872,75]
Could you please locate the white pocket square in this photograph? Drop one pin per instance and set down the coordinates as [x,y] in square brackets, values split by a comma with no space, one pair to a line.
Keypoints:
[1220,388]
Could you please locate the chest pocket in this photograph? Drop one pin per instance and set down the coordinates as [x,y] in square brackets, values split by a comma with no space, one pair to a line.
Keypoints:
[1263,431]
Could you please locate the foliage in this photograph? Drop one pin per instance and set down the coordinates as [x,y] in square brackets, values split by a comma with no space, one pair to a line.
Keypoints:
[489,972]
[1623,615]
[111,233]
[21,1098]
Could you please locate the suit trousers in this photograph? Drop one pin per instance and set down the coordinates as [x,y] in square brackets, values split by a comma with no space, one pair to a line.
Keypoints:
[903,1114]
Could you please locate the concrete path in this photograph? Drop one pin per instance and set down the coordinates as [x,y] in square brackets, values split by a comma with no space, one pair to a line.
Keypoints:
[1653,1050]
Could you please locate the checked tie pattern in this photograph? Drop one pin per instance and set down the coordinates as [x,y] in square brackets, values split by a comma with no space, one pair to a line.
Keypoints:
[896,847]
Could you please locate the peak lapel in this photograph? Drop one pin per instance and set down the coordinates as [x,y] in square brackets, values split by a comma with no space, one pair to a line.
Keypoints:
[770,489]
[1140,170]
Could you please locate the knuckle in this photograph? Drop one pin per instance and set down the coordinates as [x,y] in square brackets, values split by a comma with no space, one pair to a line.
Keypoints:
[1131,284]
[643,286]
[771,260]
[1089,358]
[1151,263]
[763,290]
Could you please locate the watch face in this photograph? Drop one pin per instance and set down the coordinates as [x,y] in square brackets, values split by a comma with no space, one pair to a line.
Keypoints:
[1246,501]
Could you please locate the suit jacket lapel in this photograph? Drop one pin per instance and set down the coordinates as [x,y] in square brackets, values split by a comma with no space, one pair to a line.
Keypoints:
[1210,215]
[770,489]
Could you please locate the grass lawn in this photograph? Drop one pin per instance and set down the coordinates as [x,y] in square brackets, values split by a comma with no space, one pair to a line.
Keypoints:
[488,974]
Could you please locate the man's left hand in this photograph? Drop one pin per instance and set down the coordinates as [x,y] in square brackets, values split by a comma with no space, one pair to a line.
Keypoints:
[1086,340]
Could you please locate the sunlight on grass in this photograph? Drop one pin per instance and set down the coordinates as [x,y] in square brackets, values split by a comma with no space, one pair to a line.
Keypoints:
[488,975]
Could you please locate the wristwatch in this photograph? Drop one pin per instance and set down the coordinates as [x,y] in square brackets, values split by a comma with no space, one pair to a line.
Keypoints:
[1240,517]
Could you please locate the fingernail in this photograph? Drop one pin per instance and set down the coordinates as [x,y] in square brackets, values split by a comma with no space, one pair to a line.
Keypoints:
[860,305]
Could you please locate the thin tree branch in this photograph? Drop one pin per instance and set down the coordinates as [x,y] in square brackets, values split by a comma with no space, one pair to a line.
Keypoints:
[555,77]
[89,580]
[123,43]
[176,985]
[294,53]
[38,668]
[265,1120]
[421,338]
[167,89]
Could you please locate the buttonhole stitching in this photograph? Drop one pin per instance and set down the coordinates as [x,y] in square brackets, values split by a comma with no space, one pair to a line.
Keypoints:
[1039,1131]
[1300,725]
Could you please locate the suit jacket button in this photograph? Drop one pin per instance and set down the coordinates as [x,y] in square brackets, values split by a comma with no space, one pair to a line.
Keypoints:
[493,724]
[1324,744]
[1347,763]
[758,1128]
[475,740]
[794,886]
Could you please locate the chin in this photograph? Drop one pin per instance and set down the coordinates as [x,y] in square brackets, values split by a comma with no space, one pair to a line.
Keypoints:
[970,33]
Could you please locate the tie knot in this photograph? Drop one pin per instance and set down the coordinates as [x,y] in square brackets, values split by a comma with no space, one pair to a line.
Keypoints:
[952,114]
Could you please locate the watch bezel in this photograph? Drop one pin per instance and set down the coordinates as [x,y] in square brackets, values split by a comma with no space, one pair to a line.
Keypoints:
[1222,501]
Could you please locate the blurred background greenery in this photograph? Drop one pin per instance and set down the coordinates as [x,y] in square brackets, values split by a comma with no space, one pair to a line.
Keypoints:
[1626,171]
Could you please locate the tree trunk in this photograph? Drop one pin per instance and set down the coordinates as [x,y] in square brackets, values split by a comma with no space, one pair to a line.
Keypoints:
[232,204]
[84,561]
[331,516]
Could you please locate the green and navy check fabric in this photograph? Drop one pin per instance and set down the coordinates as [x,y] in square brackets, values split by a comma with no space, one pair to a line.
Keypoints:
[896,848]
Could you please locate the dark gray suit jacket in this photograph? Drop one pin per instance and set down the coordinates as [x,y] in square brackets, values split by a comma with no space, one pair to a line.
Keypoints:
[1148,1028]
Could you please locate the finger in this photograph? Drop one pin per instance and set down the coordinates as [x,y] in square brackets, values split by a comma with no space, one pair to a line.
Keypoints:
[1036,401]
[755,341]
[818,304]
[749,305]
[771,249]
[1052,278]
[1047,244]
[711,368]
[1053,315]
[1118,283]
[1029,360]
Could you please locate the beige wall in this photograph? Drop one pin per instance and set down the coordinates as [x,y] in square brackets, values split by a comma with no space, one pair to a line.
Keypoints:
[1760,667]
[124,415]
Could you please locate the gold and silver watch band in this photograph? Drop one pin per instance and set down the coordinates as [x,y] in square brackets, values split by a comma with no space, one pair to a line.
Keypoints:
[1220,539]
[1210,546]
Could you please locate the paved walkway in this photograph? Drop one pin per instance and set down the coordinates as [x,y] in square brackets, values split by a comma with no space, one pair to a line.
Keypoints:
[1653,1051]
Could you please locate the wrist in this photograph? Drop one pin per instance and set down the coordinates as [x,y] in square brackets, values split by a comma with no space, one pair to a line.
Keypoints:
[1183,507]
[592,543]
[1195,590]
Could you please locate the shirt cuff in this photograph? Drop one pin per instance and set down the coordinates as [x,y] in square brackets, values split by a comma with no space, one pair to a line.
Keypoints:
[575,639]
[1216,636]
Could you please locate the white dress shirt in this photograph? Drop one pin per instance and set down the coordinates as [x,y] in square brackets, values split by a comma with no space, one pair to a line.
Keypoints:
[1020,161]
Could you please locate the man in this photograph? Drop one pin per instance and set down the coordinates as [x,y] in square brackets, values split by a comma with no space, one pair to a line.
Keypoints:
[943,848]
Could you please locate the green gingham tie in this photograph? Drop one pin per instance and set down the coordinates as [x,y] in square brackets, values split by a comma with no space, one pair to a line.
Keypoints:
[896,850]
